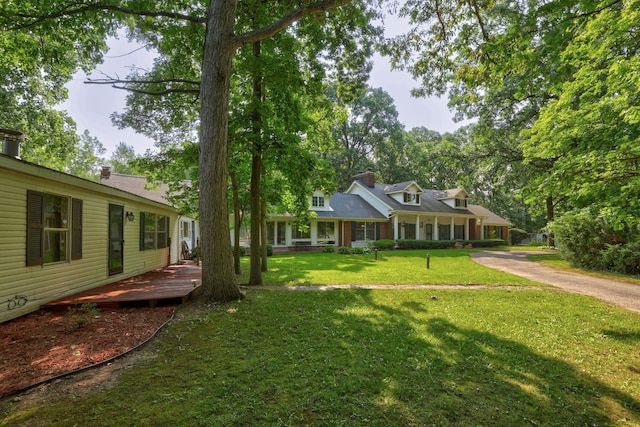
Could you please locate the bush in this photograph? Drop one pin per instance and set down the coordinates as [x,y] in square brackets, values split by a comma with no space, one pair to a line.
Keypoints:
[448,244]
[357,251]
[243,250]
[517,235]
[581,237]
[269,250]
[624,259]
[344,250]
[329,249]
[384,244]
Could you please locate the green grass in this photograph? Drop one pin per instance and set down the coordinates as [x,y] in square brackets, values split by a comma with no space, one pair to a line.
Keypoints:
[402,267]
[358,357]
[555,260]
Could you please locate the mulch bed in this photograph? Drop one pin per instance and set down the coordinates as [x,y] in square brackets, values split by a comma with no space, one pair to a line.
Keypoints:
[44,345]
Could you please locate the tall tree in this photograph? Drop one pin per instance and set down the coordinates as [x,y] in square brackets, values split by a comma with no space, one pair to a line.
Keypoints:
[371,120]
[87,160]
[221,42]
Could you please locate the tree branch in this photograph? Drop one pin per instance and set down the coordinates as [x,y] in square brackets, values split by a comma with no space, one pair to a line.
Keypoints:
[282,23]
[114,83]
[78,8]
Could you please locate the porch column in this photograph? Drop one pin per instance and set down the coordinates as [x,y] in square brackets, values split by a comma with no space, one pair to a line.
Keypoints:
[452,228]
[436,234]
[466,229]
[395,227]
[481,230]
[417,227]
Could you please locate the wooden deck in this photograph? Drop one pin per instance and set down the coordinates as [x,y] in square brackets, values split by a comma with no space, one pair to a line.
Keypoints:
[174,284]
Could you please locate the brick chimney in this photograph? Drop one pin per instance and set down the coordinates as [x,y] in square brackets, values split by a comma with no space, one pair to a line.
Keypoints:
[105,173]
[367,177]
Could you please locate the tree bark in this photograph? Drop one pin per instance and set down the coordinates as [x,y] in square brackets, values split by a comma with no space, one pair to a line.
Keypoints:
[255,271]
[237,223]
[550,215]
[218,277]
[263,236]
[255,274]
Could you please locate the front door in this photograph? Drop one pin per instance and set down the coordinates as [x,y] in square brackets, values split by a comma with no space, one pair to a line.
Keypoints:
[116,238]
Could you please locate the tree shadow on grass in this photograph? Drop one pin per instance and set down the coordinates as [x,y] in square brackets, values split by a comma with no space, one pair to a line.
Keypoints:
[415,372]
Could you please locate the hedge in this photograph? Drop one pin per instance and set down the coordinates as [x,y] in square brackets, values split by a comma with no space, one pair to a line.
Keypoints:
[384,244]
[448,244]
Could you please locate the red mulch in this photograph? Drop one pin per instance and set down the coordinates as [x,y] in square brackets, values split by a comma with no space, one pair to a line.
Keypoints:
[44,345]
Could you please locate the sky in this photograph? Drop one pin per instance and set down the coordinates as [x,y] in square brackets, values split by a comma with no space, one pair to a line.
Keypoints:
[91,105]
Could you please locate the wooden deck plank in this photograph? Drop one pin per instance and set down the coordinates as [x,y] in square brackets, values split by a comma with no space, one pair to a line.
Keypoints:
[175,282]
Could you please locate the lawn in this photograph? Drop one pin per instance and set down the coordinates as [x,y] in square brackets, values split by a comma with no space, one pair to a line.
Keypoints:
[377,357]
[359,357]
[403,267]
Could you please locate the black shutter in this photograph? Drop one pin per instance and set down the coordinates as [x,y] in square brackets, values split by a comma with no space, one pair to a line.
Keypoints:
[353,231]
[377,236]
[142,231]
[168,240]
[76,231]
[35,228]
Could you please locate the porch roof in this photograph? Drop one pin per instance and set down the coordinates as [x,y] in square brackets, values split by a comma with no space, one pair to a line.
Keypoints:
[350,206]
[489,217]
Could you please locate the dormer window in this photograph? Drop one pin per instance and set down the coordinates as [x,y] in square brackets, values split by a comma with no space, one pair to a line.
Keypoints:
[461,203]
[317,201]
[412,198]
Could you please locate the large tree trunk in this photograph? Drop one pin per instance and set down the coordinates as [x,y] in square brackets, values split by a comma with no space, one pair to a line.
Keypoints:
[255,271]
[255,275]
[218,277]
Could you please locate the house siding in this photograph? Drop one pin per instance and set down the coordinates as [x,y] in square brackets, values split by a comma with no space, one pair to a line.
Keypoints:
[24,288]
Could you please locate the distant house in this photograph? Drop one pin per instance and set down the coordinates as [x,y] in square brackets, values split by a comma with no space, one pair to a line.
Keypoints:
[188,227]
[60,234]
[370,211]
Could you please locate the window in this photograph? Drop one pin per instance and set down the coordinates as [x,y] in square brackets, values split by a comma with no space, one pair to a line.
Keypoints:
[412,198]
[54,228]
[317,201]
[444,232]
[326,232]
[154,231]
[428,230]
[301,231]
[458,232]
[461,203]
[186,230]
[364,231]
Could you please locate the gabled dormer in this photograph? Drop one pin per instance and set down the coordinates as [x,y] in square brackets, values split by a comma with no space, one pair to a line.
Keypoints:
[457,198]
[408,193]
[319,201]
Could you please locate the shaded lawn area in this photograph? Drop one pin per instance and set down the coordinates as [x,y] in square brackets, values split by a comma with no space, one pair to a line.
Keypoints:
[400,267]
[379,358]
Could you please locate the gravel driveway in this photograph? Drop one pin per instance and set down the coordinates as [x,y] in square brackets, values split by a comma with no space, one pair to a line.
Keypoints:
[626,295]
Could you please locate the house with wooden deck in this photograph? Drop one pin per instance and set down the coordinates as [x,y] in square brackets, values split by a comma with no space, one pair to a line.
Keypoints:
[188,227]
[368,211]
[60,234]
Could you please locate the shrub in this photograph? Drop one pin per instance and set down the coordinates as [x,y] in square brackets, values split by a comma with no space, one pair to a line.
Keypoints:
[448,244]
[384,244]
[517,235]
[357,250]
[344,250]
[243,250]
[329,249]
[581,237]
[269,250]
[624,259]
